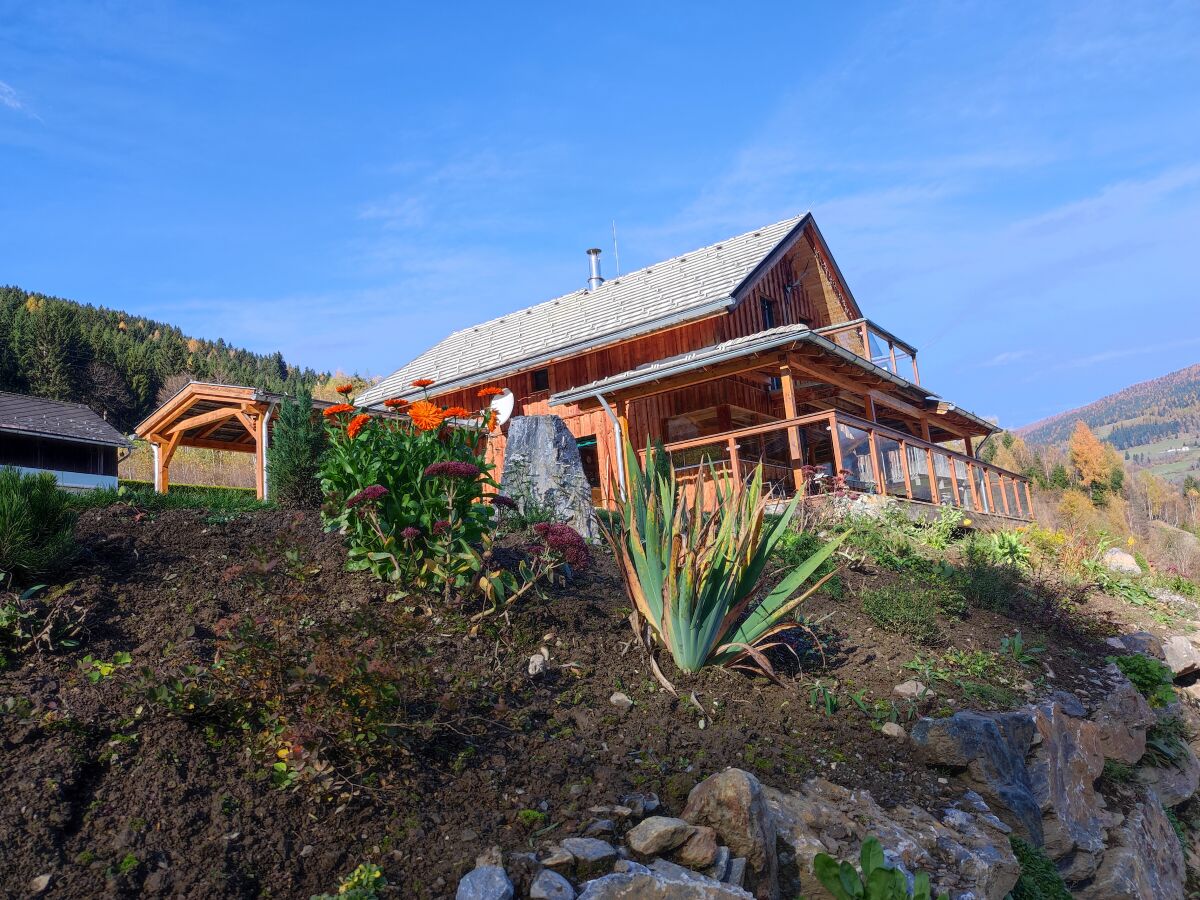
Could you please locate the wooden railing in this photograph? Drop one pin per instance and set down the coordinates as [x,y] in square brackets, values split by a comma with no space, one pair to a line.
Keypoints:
[870,457]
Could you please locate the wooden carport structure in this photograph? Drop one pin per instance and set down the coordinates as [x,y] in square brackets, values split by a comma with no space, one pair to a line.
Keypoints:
[215,417]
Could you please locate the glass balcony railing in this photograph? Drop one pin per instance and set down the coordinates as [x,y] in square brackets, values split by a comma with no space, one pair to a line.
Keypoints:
[866,339]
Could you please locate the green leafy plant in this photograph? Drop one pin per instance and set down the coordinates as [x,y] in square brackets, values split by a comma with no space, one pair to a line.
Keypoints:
[36,527]
[1013,646]
[822,698]
[1151,677]
[1039,879]
[1008,548]
[293,457]
[1166,743]
[97,669]
[873,880]
[364,883]
[692,570]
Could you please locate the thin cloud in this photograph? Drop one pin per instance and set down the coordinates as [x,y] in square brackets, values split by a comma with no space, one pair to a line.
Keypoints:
[1008,356]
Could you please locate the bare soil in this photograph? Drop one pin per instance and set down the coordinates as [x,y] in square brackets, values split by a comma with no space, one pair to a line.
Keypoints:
[114,797]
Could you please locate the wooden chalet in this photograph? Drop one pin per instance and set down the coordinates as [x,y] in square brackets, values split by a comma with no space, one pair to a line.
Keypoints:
[749,351]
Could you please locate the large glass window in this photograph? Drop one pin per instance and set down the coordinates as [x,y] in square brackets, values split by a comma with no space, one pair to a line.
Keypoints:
[918,473]
[985,502]
[904,366]
[893,466]
[962,478]
[942,476]
[1014,505]
[855,445]
[881,352]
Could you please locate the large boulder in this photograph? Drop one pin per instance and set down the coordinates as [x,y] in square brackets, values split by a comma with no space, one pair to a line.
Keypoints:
[991,750]
[1122,720]
[1175,782]
[1181,655]
[543,470]
[732,804]
[660,883]
[1144,859]
[1117,560]
[966,851]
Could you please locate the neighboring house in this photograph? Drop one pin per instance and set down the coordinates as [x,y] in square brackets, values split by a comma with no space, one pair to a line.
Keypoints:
[752,350]
[66,439]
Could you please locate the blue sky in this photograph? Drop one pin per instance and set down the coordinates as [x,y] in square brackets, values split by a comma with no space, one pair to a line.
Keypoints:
[1015,188]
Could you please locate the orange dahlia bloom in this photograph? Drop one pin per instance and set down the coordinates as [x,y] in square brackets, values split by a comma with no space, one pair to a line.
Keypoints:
[356,425]
[490,392]
[395,403]
[491,420]
[423,382]
[425,415]
[458,412]
[344,388]
[338,408]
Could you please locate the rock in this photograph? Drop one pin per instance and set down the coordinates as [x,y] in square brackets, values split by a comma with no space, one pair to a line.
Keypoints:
[600,828]
[1181,655]
[485,883]
[1142,642]
[537,664]
[912,690]
[1117,560]
[1063,771]
[549,885]
[492,856]
[639,804]
[620,812]
[1122,720]
[559,860]
[732,803]
[522,869]
[39,884]
[543,471]
[628,865]
[893,730]
[1176,782]
[720,864]
[737,872]
[1144,858]
[964,853]
[592,855]
[992,749]
[657,885]
[657,834]
[621,701]
[700,849]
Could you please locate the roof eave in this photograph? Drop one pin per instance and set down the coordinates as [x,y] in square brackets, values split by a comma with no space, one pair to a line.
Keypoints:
[69,438]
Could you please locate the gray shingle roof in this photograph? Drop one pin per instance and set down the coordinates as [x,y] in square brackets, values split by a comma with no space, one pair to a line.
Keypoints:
[686,287]
[55,419]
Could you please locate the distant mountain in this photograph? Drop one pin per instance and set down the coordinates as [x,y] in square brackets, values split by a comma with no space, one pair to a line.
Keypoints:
[1155,423]
[118,364]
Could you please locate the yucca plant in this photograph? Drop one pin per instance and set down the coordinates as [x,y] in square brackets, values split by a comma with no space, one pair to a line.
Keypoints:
[692,569]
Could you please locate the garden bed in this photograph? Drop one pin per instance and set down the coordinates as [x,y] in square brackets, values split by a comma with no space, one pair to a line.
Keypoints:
[112,793]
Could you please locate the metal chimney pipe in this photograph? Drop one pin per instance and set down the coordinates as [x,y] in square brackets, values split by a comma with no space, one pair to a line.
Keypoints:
[596,279]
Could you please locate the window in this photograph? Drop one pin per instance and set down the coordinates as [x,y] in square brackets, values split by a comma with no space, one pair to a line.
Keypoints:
[541,379]
[768,313]
[589,458]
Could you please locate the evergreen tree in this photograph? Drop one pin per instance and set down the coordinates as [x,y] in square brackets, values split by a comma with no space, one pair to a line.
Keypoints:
[297,441]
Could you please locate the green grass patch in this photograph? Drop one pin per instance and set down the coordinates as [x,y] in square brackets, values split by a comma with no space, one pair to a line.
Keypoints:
[1039,877]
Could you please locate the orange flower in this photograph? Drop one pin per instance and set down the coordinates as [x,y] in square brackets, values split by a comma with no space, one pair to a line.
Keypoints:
[395,403]
[356,425]
[423,382]
[425,415]
[490,392]
[458,412]
[491,420]
[344,388]
[338,408]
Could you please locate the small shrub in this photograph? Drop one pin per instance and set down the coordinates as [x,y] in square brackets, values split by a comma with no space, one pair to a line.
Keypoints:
[1117,772]
[874,880]
[1039,876]
[36,527]
[297,442]
[1008,549]
[1178,827]
[1166,743]
[1151,677]
[906,608]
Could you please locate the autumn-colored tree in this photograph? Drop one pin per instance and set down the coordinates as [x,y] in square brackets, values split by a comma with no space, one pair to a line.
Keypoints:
[1089,459]
[1075,509]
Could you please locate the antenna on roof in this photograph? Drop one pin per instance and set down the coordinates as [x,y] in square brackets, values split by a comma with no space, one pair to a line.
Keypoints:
[616,252]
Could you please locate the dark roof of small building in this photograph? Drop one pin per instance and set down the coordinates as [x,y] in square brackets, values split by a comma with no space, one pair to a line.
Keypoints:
[56,419]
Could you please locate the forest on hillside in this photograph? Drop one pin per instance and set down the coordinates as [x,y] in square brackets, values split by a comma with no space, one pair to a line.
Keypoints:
[119,364]
[1141,413]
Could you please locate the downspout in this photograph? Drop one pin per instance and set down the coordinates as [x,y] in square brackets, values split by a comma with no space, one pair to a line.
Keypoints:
[619,435]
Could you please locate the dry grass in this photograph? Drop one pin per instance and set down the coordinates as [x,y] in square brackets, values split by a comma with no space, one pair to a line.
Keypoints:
[192,465]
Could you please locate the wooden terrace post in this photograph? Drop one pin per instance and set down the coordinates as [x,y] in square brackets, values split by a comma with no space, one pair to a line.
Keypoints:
[916,371]
[1028,501]
[954,492]
[967,444]
[1003,495]
[260,457]
[971,484]
[935,494]
[837,445]
[876,462]
[735,461]
[788,386]
[904,466]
